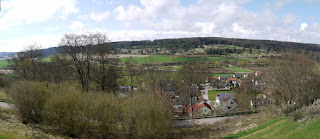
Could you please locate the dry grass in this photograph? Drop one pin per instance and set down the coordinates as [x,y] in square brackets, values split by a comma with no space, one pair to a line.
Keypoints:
[12,128]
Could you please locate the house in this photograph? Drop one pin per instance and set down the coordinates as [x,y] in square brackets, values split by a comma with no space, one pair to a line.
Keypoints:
[180,104]
[204,94]
[223,77]
[211,79]
[240,76]
[221,86]
[227,106]
[223,96]
[234,81]
[224,103]
[201,109]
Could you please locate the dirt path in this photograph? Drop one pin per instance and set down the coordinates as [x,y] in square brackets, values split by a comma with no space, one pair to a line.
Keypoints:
[263,129]
[5,105]
[190,123]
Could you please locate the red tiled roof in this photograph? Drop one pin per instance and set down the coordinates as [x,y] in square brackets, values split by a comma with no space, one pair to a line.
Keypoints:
[196,107]
[212,78]
[231,79]
[238,80]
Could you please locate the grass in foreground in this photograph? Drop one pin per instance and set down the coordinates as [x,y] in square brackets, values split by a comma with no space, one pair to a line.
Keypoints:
[212,94]
[283,127]
[250,131]
[237,69]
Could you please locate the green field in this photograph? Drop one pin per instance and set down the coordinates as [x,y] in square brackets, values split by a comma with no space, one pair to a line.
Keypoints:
[4,64]
[46,59]
[222,74]
[237,69]
[167,59]
[212,94]
[283,127]
[227,46]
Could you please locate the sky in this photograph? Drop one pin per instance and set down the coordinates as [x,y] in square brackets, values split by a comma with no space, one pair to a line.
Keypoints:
[44,22]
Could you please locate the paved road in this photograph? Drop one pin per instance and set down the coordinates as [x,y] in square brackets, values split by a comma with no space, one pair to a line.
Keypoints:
[5,105]
[190,123]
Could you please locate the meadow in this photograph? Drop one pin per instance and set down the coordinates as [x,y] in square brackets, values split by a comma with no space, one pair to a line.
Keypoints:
[4,64]
[237,69]
[174,58]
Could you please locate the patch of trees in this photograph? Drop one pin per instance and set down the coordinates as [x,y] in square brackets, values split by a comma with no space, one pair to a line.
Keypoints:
[186,44]
[293,82]
[226,51]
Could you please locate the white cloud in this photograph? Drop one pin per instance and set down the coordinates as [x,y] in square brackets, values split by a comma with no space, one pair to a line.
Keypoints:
[303,26]
[19,44]
[77,26]
[289,19]
[99,16]
[227,18]
[18,12]
[129,35]
[240,29]
[281,3]
[205,27]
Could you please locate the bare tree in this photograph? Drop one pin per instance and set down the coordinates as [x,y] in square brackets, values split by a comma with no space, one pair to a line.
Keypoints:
[26,62]
[292,82]
[107,71]
[150,73]
[133,70]
[80,49]
[192,75]
[59,69]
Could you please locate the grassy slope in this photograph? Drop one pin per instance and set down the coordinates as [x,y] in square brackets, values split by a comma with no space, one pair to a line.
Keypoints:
[212,94]
[283,127]
[237,69]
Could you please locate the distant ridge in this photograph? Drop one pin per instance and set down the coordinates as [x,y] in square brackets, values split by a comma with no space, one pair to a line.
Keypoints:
[6,55]
[195,42]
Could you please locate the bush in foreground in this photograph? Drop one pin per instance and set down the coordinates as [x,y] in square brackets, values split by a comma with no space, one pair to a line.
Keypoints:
[29,99]
[67,111]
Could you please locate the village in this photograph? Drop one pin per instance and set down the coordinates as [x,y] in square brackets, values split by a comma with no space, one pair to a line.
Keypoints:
[216,97]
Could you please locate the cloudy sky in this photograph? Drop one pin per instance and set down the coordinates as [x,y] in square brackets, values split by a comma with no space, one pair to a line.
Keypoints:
[44,22]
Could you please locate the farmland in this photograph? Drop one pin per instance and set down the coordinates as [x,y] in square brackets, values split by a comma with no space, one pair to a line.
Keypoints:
[4,63]
[237,69]
[177,58]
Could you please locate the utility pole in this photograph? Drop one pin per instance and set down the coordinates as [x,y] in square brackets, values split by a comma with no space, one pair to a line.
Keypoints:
[255,83]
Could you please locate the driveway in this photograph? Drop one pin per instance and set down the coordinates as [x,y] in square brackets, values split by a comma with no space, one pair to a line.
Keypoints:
[190,123]
[5,105]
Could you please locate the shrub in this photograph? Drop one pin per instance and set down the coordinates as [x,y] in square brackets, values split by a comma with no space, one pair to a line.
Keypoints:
[29,99]
[5,82]
[76,114]
[146,117]
[65,110]
[307,112]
